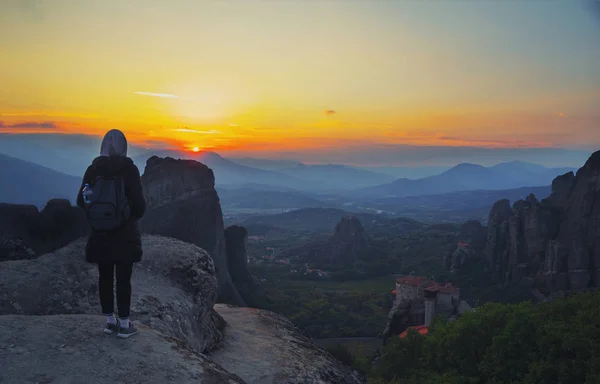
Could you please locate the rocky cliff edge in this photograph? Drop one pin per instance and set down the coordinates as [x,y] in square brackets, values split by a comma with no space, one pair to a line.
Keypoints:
[50,330]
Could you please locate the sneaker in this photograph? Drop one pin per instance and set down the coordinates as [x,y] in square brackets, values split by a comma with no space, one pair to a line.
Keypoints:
[127,332]
[110,328]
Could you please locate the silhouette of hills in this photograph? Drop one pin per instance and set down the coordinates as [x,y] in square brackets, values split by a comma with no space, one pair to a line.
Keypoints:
[28,183]
[466,177]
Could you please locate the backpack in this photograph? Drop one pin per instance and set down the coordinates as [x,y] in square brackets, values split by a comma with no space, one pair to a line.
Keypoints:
[107,207]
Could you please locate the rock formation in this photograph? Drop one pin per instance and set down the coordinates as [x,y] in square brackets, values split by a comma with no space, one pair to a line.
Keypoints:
[398,319]
[237,260]
[557,240]
[470,245]
[346,247]
[26,232]
[173,304]
[183,204]
[349,241]
[496,250]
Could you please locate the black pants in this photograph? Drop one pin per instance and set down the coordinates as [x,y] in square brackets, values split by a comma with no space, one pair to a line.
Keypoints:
[105,286]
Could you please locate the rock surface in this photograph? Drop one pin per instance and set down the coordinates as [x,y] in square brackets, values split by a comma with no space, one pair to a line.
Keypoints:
[24,228]
[174,289]
[72,349]
[183,204]
[557,240]
[51,330]
[262,347]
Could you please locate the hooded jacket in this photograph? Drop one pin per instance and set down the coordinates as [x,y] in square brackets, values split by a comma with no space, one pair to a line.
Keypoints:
[125,245]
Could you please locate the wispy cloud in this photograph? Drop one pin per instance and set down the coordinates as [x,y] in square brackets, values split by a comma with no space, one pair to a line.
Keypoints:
[330,112]
[153,94]
[30,125]
[50,114]
[211,132]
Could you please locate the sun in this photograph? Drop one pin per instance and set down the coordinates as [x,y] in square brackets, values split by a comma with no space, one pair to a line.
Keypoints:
[196,149]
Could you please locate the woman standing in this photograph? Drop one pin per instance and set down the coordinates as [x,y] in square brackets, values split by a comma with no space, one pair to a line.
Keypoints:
[112,196]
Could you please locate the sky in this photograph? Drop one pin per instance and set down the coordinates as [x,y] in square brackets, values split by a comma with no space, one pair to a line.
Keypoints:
[308,79]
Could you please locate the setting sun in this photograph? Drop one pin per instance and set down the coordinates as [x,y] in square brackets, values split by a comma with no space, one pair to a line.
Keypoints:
[196,149]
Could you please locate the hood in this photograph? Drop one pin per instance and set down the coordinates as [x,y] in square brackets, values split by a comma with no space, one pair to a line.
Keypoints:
[114,143]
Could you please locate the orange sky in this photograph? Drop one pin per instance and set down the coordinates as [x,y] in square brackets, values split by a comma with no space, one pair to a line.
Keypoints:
[294,75]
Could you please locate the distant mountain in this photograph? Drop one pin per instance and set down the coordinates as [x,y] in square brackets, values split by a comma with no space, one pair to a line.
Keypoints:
[300,177]
[22,182]
[266,164]
[336,176]
[528,173]
[455,207]
[392,172]
[226,171]
[407,172]
[467,177]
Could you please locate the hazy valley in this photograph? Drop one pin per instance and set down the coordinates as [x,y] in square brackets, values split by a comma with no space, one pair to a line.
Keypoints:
[463,192]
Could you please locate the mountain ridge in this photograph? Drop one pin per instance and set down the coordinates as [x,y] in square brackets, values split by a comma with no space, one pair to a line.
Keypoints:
[24,182]
[466,177]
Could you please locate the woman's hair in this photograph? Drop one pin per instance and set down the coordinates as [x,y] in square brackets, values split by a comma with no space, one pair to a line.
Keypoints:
[114,144]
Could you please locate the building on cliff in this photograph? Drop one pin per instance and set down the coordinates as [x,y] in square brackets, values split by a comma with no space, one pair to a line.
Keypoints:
[427,298]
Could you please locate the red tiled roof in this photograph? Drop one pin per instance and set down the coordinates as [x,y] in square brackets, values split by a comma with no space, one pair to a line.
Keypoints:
[422,329]
[414,281]
[417,281]
[442,288]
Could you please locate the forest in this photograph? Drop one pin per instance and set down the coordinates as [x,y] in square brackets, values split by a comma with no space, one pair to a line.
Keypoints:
[555,342]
